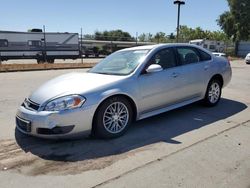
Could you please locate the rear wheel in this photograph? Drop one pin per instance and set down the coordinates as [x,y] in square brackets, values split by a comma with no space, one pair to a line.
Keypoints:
[213,93]
[113,118]
[51,61]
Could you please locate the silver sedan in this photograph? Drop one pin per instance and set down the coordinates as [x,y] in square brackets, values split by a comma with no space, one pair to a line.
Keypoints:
[128,85]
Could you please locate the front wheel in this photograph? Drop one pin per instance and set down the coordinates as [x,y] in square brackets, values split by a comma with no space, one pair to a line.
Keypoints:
[213,93]
[113,118]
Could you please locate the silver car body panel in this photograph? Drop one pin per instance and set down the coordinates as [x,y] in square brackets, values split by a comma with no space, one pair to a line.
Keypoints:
[152,93]
[247,58]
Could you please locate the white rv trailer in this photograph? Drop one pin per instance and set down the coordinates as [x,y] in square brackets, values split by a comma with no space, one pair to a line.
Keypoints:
[211,45]
[38,45]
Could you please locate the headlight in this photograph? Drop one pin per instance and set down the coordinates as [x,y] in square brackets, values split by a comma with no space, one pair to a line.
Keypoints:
[65,103]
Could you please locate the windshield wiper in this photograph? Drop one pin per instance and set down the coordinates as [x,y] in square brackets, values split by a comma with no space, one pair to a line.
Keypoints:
[101,73]
[106,73]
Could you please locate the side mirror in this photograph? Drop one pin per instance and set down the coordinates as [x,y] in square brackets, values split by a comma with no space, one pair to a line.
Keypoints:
[154,68]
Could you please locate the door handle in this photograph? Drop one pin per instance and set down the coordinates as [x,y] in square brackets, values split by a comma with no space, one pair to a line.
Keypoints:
[174,75]
[206,67]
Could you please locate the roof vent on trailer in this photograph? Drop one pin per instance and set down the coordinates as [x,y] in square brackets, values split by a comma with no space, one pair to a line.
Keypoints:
[36,30]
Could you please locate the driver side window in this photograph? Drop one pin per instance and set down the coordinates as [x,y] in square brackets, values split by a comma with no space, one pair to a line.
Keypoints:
[165,58]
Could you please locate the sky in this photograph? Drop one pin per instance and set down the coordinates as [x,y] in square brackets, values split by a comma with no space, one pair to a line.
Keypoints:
[133,16]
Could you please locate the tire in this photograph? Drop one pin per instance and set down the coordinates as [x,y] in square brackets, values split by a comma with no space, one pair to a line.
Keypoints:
[51,61]
[213,93]
[113,118]
[40,61]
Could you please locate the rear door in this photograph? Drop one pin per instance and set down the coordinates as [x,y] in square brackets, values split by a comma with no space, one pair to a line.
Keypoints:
[195,65]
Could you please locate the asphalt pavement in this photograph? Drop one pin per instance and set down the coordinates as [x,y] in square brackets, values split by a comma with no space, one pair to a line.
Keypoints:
[193,146]
[33,61]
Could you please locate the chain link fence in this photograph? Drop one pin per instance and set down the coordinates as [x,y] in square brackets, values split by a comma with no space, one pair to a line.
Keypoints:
[104,45]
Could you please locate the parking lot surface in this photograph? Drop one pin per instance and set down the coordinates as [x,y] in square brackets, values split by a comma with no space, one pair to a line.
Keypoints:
[33,61]
[193,146]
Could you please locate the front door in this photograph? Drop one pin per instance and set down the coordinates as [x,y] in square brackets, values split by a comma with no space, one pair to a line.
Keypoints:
[163,88]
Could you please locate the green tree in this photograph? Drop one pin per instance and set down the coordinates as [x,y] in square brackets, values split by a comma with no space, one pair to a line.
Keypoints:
[171,36]
[113,35]
[217,35]
[235,22]
[187,34]
[145,37]
[160,37]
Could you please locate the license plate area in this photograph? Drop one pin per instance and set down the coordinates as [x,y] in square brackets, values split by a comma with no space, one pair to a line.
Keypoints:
[23,124]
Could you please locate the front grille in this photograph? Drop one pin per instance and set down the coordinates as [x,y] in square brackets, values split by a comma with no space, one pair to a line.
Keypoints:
[23,124]
[55,130]
[30,104]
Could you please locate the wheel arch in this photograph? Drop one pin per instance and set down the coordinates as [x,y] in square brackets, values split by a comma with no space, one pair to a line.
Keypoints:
[131,101]
[205,100]
[218,77]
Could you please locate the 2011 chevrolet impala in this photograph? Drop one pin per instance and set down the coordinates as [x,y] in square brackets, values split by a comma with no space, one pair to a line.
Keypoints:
[130,84]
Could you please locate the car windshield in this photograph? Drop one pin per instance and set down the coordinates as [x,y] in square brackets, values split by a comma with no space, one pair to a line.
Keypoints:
[120,63]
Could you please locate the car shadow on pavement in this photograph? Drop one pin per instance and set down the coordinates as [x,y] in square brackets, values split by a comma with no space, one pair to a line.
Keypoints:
[160,128]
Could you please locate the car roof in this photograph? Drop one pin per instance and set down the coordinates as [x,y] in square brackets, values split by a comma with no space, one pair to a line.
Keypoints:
[151,47]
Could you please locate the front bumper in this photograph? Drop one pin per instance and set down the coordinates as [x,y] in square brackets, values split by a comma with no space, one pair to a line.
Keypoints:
[247,61]
[55,124]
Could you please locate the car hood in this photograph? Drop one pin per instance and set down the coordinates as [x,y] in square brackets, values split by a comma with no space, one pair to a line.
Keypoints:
[72,83]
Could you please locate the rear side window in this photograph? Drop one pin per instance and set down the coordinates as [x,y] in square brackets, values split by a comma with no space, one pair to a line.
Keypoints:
[204,56]
[34,43]
[3,43]
[187,55]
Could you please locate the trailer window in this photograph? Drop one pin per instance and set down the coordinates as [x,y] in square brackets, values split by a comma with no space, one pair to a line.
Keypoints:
[3,43]
[212,47]
[35,43]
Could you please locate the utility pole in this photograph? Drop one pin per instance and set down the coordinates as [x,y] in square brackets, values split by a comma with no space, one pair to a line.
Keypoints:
[81,47]
[178,3]
[45,50]
[136,38]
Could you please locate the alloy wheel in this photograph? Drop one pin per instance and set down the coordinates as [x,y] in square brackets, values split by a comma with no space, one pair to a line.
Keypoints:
[116,117]
[214,92]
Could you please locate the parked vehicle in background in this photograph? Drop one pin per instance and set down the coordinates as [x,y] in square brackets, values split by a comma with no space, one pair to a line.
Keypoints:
[38,45]
[218,54]
[90,52]
[212,46]
[130,84]
[247,59]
